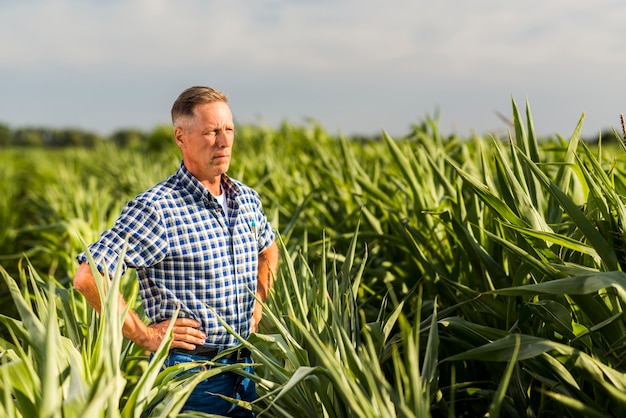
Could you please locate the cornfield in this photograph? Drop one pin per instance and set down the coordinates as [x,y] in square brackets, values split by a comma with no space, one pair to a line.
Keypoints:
[423,276]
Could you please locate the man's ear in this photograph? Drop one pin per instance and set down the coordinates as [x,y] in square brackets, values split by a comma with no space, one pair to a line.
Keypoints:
[179,135]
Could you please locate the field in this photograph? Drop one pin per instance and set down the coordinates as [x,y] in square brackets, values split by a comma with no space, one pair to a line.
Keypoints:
[420,276]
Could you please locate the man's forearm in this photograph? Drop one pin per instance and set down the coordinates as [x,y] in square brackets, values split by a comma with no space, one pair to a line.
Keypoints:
[268,265]
[84,281]
[185,333]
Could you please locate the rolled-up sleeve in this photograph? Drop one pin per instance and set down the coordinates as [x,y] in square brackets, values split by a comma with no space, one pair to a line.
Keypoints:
[139,225]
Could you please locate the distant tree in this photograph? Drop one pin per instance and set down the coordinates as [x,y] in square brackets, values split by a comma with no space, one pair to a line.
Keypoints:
[607,136]
[73,138]
[67,138]
[128,138]
[161,139]
[31,137]
[91,139]
[5,135]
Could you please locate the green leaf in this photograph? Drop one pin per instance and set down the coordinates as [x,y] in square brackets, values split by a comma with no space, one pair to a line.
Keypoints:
[555,315]
[576,285]
[503,349]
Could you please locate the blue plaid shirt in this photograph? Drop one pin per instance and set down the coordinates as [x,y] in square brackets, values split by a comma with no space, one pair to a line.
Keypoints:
[186,251]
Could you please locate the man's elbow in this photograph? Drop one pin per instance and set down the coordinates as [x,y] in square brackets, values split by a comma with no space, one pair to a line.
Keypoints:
[83,279]
[271,255]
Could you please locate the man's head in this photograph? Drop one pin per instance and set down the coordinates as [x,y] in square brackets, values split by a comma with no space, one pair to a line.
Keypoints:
[204,131]
[186,102]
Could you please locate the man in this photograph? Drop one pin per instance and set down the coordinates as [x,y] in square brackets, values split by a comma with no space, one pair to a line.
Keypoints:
[198,240]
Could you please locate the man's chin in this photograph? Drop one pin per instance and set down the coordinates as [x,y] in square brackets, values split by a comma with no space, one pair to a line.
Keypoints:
[222,169]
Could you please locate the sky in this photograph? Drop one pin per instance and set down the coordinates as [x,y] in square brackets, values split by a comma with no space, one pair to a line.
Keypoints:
[356,67]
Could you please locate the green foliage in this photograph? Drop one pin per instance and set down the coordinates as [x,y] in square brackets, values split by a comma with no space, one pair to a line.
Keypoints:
[422,276]
[5,135]
[55,365]
[37,137]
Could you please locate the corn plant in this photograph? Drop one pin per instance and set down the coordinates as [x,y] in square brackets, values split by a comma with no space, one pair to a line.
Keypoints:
[319,356]
[56,366]
[420,276]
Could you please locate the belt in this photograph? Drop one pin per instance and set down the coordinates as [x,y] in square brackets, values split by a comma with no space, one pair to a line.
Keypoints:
[211,352]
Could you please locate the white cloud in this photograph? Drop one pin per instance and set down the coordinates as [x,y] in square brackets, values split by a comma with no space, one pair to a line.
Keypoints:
[385,60]
[447,35]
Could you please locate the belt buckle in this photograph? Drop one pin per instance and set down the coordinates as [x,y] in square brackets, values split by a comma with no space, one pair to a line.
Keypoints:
[235,355]
[239,354]
[243,353]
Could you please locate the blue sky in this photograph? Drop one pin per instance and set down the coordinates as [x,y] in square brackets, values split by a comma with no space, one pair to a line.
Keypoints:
[355,66]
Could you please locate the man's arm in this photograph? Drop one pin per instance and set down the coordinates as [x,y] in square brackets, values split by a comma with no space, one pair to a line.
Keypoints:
[268,265]
[186,334]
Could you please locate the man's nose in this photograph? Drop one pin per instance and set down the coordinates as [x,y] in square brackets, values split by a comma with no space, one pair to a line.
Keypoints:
[223,138]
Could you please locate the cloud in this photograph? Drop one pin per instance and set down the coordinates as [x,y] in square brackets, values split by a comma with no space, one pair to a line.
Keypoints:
[429,37]
[357,64]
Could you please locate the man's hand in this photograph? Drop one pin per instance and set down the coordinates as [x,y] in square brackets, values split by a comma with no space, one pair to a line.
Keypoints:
[256,317]
[185,335]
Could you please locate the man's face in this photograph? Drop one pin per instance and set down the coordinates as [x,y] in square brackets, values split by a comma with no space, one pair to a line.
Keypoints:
[206,140]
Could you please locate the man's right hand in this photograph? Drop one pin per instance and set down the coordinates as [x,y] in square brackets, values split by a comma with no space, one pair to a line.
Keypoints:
[185,334]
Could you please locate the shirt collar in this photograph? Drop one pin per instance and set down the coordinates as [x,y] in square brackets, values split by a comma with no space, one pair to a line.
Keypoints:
[187,181]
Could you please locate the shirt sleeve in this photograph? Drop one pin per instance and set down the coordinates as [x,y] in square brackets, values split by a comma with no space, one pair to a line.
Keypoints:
[266,233]
[139,225]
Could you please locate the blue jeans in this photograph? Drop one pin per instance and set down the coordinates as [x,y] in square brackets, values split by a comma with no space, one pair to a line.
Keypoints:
[227,383]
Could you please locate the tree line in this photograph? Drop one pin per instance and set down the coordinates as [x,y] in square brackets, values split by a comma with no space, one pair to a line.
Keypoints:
[158,139]
[32,136]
